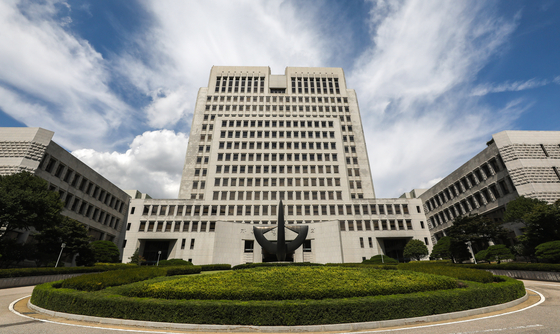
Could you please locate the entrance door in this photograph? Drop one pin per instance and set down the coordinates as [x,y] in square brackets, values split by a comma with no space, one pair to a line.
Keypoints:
[151,251]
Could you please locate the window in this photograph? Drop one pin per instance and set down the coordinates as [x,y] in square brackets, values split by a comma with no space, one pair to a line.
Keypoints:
[249,246]
[192,243]
[183,242]
[307,246]
[370,242]
[361,242]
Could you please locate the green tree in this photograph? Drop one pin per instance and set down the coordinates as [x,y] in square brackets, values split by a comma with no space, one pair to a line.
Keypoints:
[26,202]
[477,229]
[415,249]
[13,253]
[549,251]
[441,249]
[498,253]
[542,224]
[450,248]
[105,251]
[72,233]
[136,258]
[517,209]
[481,256]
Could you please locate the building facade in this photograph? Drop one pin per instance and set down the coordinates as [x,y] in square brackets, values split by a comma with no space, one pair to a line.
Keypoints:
[514,163]
[89,198]
[256,139]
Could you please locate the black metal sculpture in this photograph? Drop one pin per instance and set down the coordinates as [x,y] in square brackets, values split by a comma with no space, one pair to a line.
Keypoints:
[280,248]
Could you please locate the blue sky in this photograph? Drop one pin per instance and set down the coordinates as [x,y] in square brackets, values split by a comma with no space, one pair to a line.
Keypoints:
[117,80]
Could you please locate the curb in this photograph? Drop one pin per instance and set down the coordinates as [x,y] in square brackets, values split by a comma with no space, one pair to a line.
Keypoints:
[283,329]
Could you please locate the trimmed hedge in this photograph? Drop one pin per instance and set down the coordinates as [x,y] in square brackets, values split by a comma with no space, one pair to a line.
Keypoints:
[277,313]
[446,269]
[25,272]
[516,266]
[383,260]
[103,280]
[174,262]
[275,264]
[213,267]
[363,265]
[293,283]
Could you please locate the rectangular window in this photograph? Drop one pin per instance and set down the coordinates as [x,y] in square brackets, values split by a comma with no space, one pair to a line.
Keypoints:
[249,245]
[192,244]
[361,242]
[183,242]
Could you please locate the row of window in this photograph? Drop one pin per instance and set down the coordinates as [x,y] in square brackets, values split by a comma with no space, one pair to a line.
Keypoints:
[289,182]
[273,195]
[79,182]
[177,226]
[212,117]
[281,169]
[307,85]
[277,145]
[274,107]
[281,99]
[88,210]
[384,225]
[275,157]
[205,210]
[477,176]
[478,199]
[278,134]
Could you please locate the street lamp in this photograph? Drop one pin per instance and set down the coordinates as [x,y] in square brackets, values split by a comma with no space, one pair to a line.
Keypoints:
[61,249]
[158,255]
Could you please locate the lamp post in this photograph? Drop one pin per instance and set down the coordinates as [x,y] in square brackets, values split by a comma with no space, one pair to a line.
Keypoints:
[61,249]
[158,255]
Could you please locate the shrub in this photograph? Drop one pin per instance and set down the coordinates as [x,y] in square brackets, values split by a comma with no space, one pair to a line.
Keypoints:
[415,249]
[212,267]
[450,270]
[391,266]
[101,281]
[549,251]
[24,272]
[481,256]
[183,270]
[278,313]
[291,283]
[274,264]
[105,251]
[498,253]
[174,262]
[517,266]
[380,259]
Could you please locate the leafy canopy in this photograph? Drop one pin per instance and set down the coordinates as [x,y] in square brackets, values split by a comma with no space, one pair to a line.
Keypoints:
[26,202]
[476,229]
[73,233]
[105,251]
[415,249]
[549,251]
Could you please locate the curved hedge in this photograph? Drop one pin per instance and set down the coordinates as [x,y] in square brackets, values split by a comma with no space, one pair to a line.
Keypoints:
[99,281]
[26,272]
[275,264]
[448,269]
[277,313]
[293,283]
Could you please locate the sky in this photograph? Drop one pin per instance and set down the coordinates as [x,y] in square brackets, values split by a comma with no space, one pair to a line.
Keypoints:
[117,80]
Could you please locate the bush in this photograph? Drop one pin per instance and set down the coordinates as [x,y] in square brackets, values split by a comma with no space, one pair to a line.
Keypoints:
[380,259]
[549,251]
[212,267]
[274,264]
[105,251]
[517,266]
[292,283]
[95,282]
[450,270]
[174,262]
[183,270]
[498,253]
[415,249]
[481,256]
[25,272]
[278,313]
[381,266]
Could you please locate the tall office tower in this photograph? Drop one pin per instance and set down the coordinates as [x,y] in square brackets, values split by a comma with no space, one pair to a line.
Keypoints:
[295,137]
[258,138]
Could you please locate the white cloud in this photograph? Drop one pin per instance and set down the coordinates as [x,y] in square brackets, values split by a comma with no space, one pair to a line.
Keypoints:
[516,86]
[153,164]
[61,75]
[413,86]
[188,38]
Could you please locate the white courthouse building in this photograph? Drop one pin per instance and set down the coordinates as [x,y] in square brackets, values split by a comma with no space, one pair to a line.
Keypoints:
[256,139]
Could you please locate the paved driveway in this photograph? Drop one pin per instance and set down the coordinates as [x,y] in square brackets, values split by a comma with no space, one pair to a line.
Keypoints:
[542,318]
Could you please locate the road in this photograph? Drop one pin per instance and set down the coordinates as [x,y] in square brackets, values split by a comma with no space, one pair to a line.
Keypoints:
[542,318]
